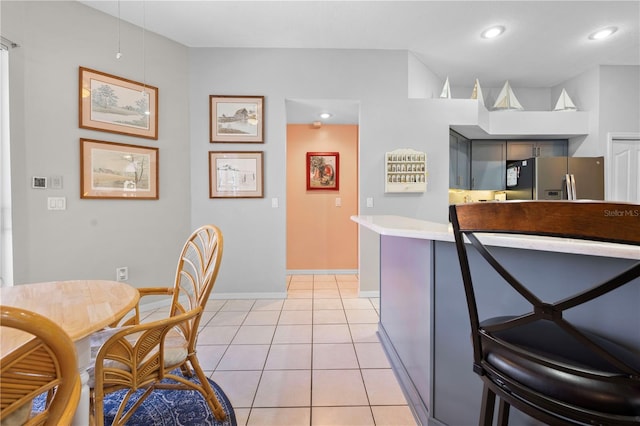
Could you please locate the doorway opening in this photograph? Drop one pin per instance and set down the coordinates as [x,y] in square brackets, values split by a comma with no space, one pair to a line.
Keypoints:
[321,237]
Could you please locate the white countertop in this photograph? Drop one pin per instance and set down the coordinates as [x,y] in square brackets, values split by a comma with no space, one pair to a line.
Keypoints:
[400,226]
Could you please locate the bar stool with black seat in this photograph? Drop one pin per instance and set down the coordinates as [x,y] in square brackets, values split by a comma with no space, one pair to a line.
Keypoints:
[539,361]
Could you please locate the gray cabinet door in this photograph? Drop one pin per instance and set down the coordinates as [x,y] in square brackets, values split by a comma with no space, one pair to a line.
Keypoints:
[488,165]
[459,162]
[521,150]
[552,148]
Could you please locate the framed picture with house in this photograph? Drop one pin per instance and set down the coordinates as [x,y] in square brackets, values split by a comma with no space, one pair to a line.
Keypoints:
[236,118]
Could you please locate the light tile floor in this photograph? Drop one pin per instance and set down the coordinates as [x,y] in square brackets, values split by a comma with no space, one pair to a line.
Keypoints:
[311,359]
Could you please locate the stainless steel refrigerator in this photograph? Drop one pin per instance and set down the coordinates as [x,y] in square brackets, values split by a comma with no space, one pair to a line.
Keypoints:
[556,178]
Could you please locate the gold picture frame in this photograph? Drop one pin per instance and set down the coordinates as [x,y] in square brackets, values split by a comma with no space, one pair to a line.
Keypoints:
[117,105]
[111,170]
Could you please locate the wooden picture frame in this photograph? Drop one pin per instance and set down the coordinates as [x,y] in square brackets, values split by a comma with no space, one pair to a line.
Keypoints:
[236,119]
[111,170]
[117,105]
[236,174]
[323,171]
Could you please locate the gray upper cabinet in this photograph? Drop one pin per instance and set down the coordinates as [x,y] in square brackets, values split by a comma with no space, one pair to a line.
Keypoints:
[488,164]
[521,150]
[459,161]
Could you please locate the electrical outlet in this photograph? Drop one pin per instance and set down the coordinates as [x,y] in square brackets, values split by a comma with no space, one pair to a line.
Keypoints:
[122,273]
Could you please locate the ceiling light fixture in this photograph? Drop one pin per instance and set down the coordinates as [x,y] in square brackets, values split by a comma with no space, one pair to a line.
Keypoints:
[603,33]
[325,115]
[493,32]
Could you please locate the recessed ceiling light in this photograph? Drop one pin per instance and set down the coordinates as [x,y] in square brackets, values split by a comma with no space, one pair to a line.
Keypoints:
[325,115]
[493,32]
[603,33]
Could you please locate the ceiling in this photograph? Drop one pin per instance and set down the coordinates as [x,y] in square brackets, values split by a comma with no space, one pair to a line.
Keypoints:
[545,42]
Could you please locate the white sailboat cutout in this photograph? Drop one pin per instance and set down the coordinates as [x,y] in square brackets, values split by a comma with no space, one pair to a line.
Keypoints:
[446,90]
[565,103]
[477,92]
[507,99]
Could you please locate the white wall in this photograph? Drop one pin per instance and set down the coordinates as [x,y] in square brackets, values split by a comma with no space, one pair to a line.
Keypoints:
[612,96]
[619,102]
[92,237]
[254,231]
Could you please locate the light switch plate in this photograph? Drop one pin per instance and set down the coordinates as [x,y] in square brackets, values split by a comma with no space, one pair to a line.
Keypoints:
[56,203]
[56,182]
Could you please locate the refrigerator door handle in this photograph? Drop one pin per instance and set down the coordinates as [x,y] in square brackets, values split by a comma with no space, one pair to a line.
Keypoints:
[569,188]
[573,187]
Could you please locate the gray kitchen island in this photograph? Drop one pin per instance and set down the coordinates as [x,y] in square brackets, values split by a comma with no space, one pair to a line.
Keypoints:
[424,324]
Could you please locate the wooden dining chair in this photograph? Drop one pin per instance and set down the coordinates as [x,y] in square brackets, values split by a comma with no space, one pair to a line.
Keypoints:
[538,359]
[142,355]
[46,364]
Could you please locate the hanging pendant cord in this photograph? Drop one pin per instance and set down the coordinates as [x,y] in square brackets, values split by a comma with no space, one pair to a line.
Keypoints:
[144,58]
[119,53]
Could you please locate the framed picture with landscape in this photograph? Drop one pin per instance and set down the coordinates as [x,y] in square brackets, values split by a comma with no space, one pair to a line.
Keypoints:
[117,105]
[116,170]
[236,174]
[236,118]
[323,171]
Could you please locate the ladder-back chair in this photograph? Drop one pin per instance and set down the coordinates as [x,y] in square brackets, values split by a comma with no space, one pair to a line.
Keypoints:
[142,355]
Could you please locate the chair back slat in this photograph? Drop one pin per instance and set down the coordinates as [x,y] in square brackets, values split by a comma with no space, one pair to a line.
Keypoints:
[197,269]
[45,364]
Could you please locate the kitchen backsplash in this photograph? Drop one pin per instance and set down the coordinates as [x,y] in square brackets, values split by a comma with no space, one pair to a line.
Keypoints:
[461,196]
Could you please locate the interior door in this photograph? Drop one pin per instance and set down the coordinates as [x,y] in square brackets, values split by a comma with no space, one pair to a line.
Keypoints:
[624,178]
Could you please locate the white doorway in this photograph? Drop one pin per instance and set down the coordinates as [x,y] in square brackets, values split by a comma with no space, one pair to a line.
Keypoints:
[623,174]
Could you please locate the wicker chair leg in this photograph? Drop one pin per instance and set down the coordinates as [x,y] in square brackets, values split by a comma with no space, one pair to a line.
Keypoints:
[209,393]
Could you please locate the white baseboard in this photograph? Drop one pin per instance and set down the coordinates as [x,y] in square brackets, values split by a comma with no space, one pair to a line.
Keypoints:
[219,296]
[145,307]
[226,296]
[322,272]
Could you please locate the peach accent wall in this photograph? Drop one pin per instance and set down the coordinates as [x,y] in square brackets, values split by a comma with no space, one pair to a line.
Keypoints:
[320,236]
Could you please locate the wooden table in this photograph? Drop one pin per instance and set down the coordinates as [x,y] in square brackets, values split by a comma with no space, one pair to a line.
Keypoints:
[80,308]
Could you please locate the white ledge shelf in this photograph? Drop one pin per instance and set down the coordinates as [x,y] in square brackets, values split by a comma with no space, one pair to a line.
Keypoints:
[508,124]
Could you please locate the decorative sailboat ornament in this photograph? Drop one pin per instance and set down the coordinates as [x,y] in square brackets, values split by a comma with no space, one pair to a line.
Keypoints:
[446,90]
[477,92]
[507,99]
[565,103]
